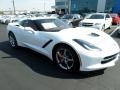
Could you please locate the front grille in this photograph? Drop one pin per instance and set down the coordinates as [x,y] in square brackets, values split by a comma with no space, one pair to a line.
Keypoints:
[109,58]
[87,24]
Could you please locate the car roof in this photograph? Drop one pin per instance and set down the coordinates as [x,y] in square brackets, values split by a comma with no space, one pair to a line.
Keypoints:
[36,18]
[100,13]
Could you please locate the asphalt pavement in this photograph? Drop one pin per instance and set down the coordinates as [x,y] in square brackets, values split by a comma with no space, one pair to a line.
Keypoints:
[24,69]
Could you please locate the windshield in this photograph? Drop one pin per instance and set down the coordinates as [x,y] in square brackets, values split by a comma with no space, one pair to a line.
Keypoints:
[52,24]
[95,16]
[67,17]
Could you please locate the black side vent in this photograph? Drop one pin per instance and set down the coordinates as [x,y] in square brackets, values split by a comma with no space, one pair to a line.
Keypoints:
[47,43]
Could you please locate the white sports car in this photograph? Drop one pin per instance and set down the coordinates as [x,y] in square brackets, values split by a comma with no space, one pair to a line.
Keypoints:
[81,48]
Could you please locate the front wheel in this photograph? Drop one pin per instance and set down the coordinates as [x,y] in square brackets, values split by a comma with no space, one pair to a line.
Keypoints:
[103,27]
[12,40]
[66,58]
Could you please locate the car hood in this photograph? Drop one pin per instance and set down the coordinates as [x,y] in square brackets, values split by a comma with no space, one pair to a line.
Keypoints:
[90,35]
[67,20]
[92,21]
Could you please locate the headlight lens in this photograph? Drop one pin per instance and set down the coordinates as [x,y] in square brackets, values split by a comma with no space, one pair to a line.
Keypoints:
[87,45]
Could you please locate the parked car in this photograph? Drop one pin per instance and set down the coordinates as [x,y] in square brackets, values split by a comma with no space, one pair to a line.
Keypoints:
[0,17]
[16,18]
[100,21]
[4,18]
[72,19]
[72,49]
[115,18]
[11,19]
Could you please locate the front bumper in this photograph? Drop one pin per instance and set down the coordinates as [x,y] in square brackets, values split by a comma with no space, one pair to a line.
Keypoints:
[92,63]
[99,27]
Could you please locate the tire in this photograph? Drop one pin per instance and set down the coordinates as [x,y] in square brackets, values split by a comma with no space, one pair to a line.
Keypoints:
[110,26]
[66,58]
[103,28]
[71,25]
[118,24]
[12,40]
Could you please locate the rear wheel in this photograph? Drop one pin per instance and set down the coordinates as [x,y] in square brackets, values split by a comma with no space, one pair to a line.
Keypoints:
[66,58]
[12,40]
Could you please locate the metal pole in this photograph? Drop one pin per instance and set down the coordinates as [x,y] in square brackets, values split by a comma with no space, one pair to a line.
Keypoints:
[44,5]
[14,7]
[69,4]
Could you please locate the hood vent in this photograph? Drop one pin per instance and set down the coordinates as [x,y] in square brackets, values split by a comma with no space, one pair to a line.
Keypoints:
[94,35]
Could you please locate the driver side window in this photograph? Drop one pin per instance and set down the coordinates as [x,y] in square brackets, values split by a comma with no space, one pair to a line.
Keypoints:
[29,23]
[22,23]
[25,24]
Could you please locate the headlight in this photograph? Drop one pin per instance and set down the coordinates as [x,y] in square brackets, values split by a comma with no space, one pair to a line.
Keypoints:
[87,45]
[97,23]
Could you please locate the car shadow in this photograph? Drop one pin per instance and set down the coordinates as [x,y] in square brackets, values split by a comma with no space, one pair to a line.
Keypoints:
[41,64]
[115,35]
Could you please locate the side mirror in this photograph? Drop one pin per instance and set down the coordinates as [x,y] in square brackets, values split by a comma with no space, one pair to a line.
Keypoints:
[28,28]
[17,25]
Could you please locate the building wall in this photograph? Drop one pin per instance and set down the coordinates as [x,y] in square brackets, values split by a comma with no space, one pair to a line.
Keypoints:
[116,7]
[58,3]
[109,4]
[75,5]
[60,0]
[92,5]
[61,4]
[101,5]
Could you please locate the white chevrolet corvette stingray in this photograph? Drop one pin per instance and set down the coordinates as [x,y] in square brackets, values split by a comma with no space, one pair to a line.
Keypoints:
[81,48]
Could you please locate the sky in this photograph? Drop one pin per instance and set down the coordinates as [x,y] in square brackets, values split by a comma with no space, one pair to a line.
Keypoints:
[27,5]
